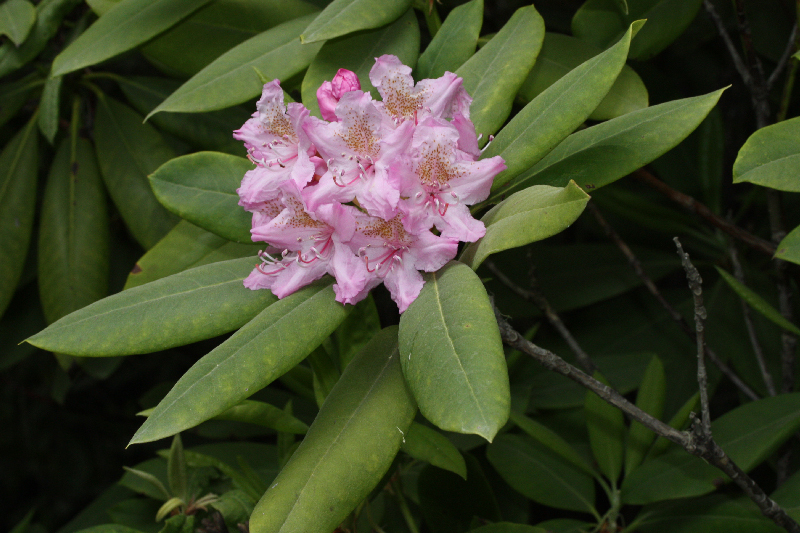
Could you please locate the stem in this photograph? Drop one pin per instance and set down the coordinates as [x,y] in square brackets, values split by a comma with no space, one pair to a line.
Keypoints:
[676,316]
[401,502]
[704,212]
[536,296]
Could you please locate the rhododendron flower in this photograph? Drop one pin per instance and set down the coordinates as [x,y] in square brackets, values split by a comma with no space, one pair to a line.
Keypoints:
[374,193]
[330,92]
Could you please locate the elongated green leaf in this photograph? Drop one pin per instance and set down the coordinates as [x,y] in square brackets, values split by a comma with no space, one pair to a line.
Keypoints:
[263,414]
[15,94]
[347,449]
[341,17]
[185,247]
[128,151]
[599,155]
[552,441]
[48,112]
[716,512]
[125,26]
[358,52]
[562,53]
[494,75]
[678,421]
[233,77]
[48,19]
[155,486]
[757,302]
[452,355]
[216,28]
[201,188]
[649,399]
[556,112]
[261,351]
[176,469]
[748,434]
[788,495]
[789,247]
[771,157]
[18,171]
[73,237]
[540,474]
[454,43]
[527,216]
[606,428]
[186,307]
[426,444]
[601,22]
[356,331]
[16,19]
[208,131]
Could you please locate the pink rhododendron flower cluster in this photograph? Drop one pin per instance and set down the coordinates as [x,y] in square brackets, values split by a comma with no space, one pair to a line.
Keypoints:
[372,194]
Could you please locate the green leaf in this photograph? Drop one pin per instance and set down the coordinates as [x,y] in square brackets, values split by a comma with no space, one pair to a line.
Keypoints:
[788,496]
[231,79]
[357,330]
[495,73]
[185,247]
[187,307]
[125,26]
[128,151]
[208,131]
[341,17]
[269,345]
[601,22]
[263,414]
[16,19]
[556,112]
[717,512]
[358,52]
[426,444]
[454,43]
[606,428]
[216,28]
[748,434]
[154,484]
[757,302]
[201,188]
[649,399]
[176,469]
[73,235]
[48,20]
[166,509]
[678,421]
[15,94]
[602,154]
[562,53]
[452,355]
[771,157]
[551,440]
[348,448]
[49,110]
[541,475]
[527,216]
[18,172]
[789,247]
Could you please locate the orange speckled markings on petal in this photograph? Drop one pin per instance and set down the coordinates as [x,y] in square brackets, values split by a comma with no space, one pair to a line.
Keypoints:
[400,99]
[358,135]
[277,122]
[391,231]
[300,219]
[434,169]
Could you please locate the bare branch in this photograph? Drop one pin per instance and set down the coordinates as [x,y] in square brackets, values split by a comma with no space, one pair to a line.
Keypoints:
[676,316]
[704,212]
[741,68]
[535,296]
[784,60]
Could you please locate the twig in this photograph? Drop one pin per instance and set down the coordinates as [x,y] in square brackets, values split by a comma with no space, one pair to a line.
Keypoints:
[536,296]
[705,213]
[751,330]
[741,68]
[676,316]
[782,62]
[696,286]
[704,447]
